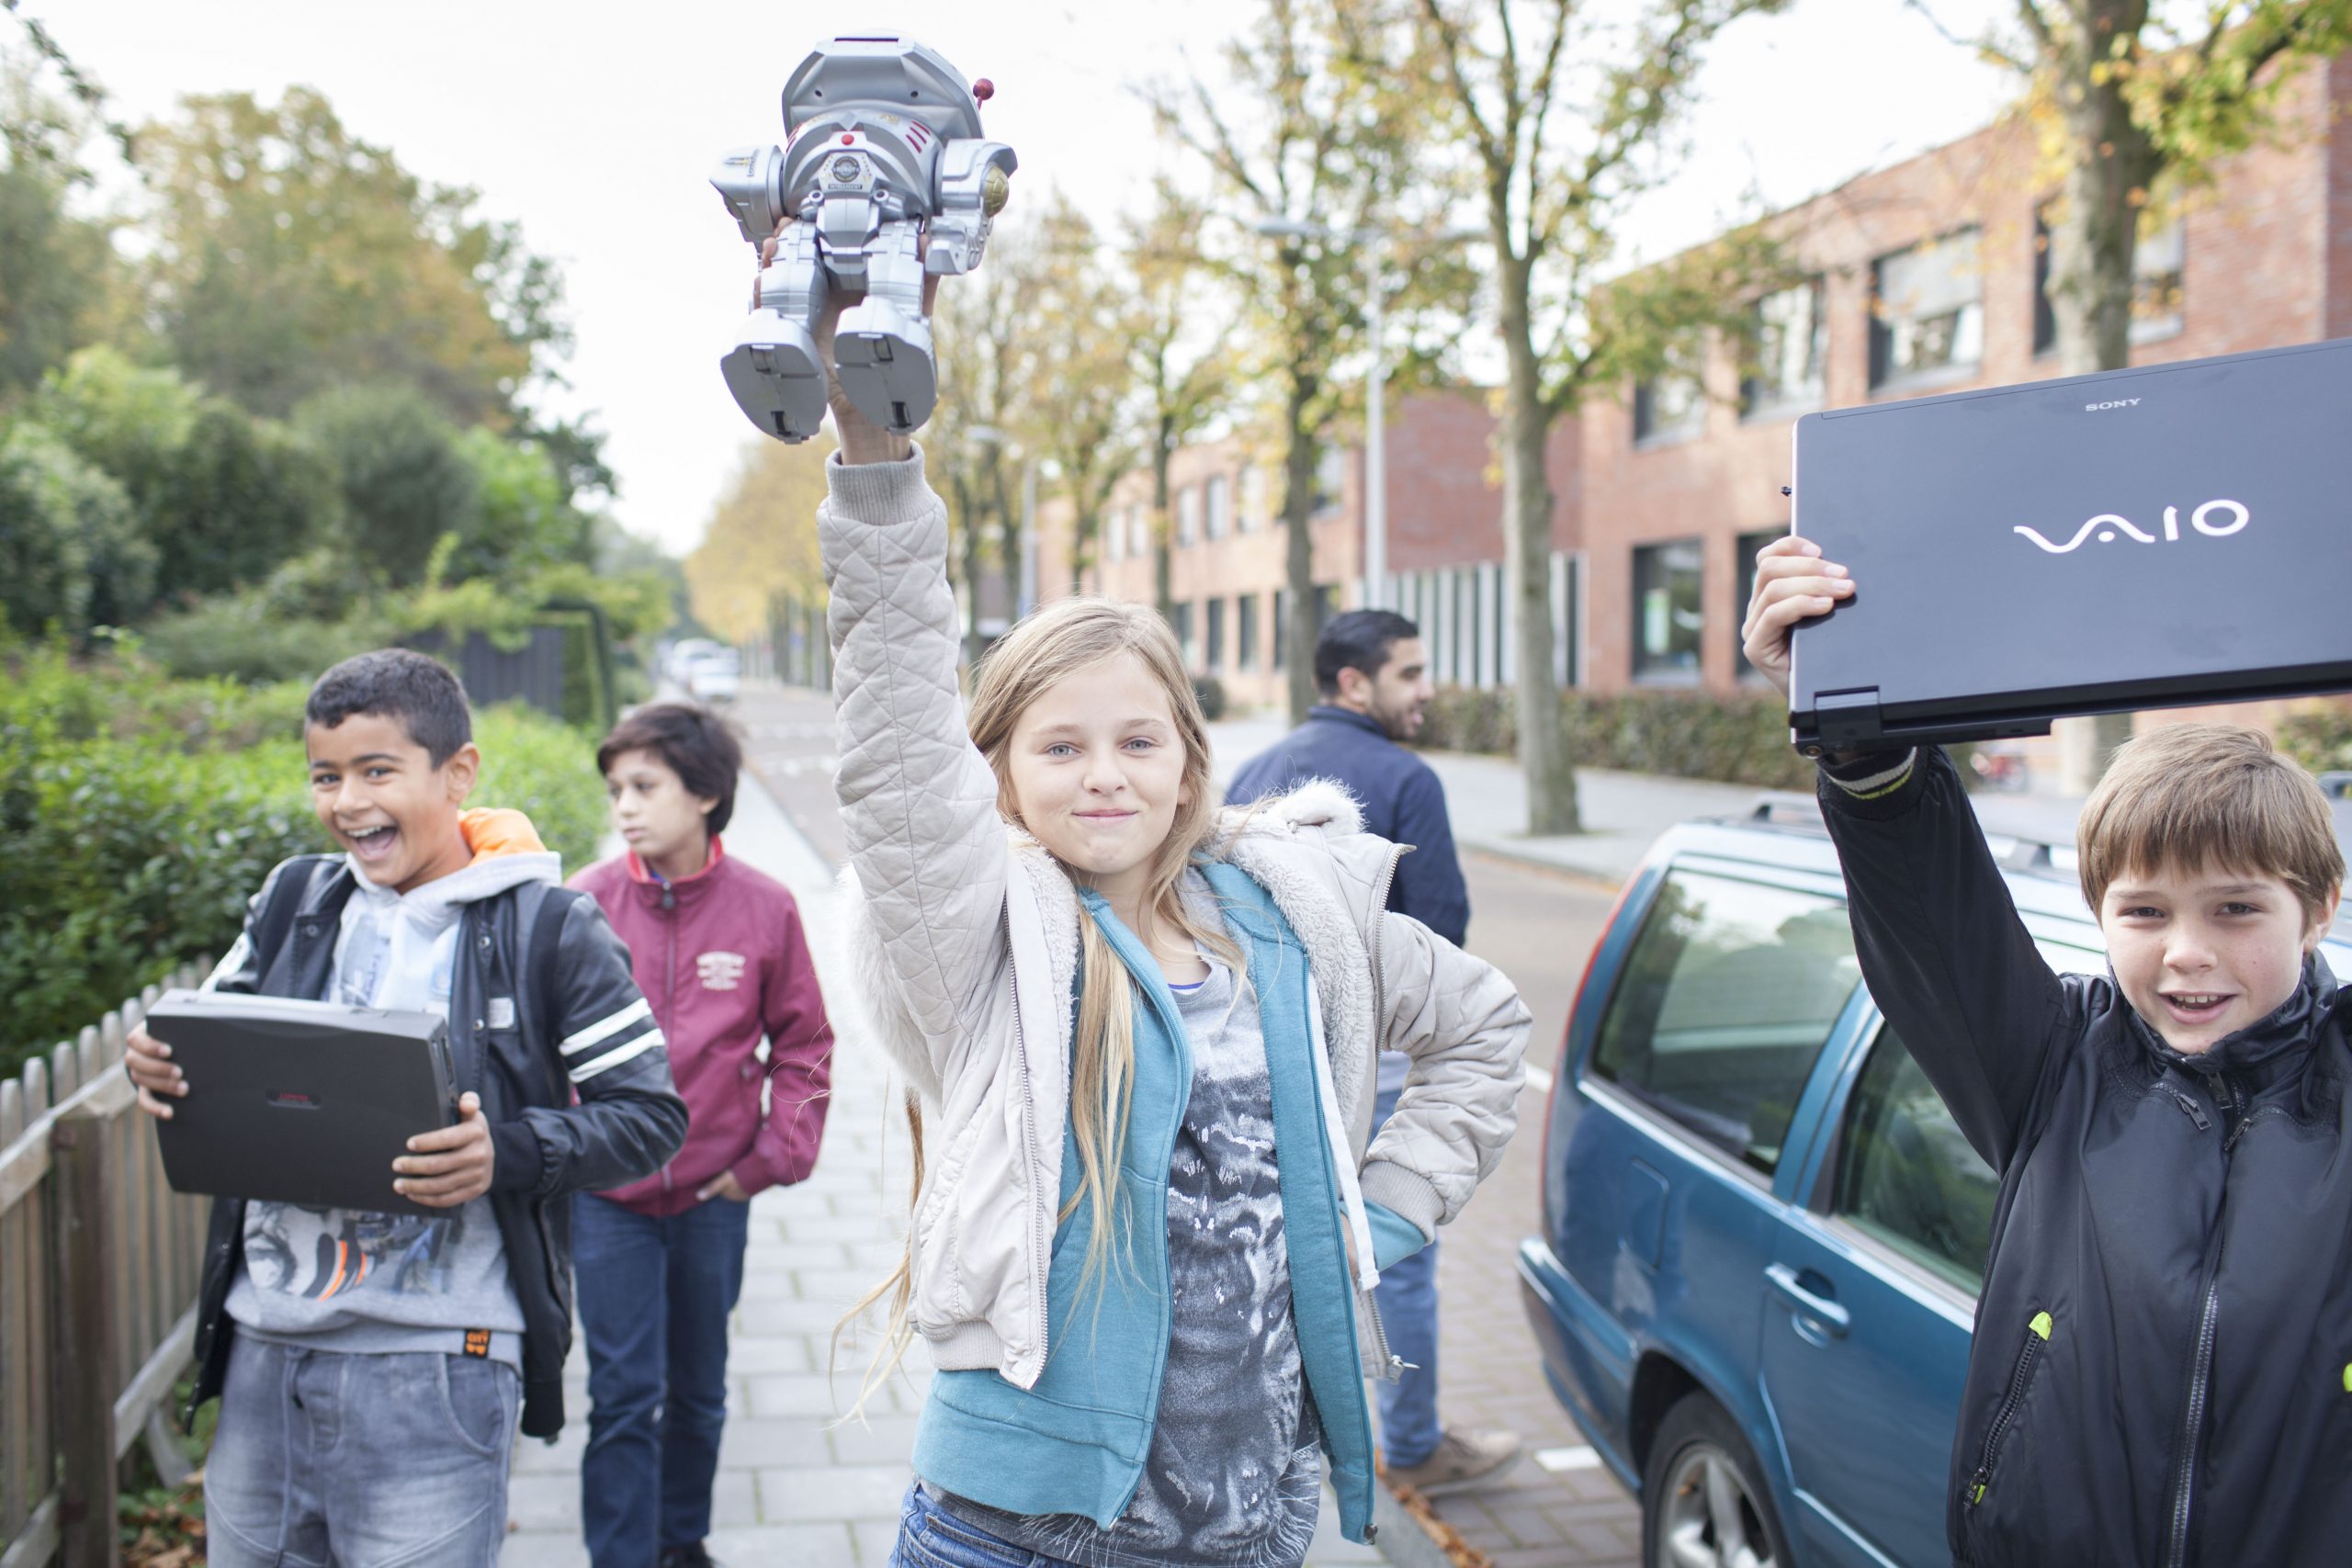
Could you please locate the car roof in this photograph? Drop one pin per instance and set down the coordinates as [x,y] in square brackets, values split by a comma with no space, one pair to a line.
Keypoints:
[2032,839]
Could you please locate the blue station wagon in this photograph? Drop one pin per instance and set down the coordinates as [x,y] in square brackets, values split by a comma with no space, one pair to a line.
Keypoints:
[1763,1234]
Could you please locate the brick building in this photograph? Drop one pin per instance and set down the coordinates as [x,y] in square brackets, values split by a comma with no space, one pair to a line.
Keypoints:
[1924,277]
[1445,545]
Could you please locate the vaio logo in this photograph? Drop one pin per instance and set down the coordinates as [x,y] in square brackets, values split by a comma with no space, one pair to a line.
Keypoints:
[2108,524]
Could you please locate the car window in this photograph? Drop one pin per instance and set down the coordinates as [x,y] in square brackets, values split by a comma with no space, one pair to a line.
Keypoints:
[1724,1002]
[1907,1176]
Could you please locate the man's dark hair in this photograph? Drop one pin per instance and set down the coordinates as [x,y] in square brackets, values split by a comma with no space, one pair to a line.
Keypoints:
[397,683]
[1359,639]
[693,742]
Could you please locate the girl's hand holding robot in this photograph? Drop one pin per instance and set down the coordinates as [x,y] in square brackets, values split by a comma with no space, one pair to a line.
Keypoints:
[883,186]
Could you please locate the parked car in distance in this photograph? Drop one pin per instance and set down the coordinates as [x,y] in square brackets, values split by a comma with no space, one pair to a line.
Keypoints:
[714,675]
[1763,1234]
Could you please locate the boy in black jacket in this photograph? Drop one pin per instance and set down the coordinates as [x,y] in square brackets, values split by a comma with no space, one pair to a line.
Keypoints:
[2162,1370]
[370,1366]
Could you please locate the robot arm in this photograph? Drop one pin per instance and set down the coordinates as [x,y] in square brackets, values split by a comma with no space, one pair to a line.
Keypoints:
[974,180]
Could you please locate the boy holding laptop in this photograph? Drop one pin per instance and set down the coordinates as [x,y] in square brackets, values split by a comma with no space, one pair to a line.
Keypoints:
[2162,1367]
[370,1367]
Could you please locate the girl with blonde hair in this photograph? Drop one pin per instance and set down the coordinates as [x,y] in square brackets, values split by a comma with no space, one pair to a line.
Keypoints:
[1140,1033]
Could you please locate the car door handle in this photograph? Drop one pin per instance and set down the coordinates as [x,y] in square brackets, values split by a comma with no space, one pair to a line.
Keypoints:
[1833,1318]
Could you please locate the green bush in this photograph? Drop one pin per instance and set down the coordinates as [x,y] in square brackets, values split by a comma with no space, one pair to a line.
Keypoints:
[137,814]
[1742,738]
[2319,737]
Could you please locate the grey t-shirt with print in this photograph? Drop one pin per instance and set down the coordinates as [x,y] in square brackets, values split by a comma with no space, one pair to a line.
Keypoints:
[1234,1475]
[348,1280]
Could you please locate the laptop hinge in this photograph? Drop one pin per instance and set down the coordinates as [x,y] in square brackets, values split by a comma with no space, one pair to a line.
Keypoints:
[1847,721]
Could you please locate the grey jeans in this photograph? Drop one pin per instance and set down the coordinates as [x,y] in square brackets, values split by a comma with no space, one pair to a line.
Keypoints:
[358,1461]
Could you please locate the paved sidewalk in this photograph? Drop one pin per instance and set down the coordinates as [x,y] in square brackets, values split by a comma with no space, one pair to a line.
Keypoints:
[793,1487]
[1486,797]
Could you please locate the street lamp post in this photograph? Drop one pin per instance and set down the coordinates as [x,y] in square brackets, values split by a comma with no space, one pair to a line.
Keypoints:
[1373,593]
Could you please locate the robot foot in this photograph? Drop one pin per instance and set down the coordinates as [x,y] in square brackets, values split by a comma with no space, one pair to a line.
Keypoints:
[882,354]
[777,377]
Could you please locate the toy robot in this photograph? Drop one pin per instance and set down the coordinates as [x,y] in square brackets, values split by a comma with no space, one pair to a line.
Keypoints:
[886,180]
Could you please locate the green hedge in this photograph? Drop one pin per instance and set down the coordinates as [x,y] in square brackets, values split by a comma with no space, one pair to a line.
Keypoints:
[1742,738]
[2319,737]
[137,814]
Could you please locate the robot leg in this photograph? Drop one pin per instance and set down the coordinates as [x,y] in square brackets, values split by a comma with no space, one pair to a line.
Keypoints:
[773,367]
[883,348]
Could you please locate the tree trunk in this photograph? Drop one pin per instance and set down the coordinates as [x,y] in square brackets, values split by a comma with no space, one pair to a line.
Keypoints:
[1008,536]
[1544,743]
[1163,554]
[1298,507]
[2093,237]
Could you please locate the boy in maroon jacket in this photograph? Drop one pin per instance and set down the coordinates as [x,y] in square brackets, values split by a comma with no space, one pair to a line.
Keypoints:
[718,953]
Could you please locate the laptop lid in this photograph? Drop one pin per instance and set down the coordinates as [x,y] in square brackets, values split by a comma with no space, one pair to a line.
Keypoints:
[298,1101]
[2168,535]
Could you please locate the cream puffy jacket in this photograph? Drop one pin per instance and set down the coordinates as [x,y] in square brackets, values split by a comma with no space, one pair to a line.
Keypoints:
[964,938]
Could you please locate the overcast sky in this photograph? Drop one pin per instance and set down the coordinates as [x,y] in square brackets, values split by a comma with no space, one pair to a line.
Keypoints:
[595,125]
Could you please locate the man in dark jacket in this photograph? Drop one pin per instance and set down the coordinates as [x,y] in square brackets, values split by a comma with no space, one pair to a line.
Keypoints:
[1373,672]
[2160,1371]
[371,1365]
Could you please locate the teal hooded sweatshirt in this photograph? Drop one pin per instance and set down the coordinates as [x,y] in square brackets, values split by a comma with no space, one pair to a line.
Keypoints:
[1076,1443]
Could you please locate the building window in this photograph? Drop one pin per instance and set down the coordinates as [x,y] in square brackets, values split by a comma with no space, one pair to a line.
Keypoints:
[1749,545]
[1281,626]
[1185,640]
[1324,596]
[1188,515]
[1667,611]
[1792,344]
[1330,471]
[1139,530]
[1254,510]
[1219,503]
[1928,311]
[2157,263]
[1215,634]
[1670,406]
[1245,633]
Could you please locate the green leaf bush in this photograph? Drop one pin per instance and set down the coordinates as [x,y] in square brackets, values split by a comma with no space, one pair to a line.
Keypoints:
[1742,738]
[137,814]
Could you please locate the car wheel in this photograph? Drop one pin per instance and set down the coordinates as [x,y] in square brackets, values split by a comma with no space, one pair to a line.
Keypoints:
[1704,1500]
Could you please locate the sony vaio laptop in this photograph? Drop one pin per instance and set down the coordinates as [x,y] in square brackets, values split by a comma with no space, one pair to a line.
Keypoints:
[2157,537]
[298,1101]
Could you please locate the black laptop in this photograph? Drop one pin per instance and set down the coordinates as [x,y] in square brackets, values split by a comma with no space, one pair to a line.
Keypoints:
[2172,534]
[297,1102]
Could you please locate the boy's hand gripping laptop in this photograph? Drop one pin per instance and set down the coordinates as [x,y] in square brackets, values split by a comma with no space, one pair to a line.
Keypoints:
[2169,534]
[298,1101]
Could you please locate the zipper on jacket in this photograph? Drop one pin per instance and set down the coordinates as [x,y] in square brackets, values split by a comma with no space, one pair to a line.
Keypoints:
[1038,1197]
[2200,1365]
[1379,905]
[2201,1375]
[2037,1336]
[2190,1108]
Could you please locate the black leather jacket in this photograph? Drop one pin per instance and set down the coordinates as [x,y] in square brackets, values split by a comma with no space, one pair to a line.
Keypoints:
[548,951]
[2162,1370]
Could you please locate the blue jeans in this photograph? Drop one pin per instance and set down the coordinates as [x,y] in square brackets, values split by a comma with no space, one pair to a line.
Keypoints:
[364,1460]
[654,1295]
[930,1536]
[1407,1298]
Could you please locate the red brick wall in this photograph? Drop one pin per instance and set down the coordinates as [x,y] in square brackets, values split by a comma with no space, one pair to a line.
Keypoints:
[2267,261]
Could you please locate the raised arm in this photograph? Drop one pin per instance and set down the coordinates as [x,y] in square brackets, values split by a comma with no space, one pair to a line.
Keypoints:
[918,800]
[1942,950]
[1941,947]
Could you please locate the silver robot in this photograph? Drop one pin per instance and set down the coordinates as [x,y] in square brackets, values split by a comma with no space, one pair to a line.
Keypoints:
[887,179]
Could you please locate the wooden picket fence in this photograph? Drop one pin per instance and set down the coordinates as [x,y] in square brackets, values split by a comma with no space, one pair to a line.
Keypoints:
[100,1264]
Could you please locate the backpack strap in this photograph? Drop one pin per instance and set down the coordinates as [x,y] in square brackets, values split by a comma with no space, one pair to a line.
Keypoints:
[281,899]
